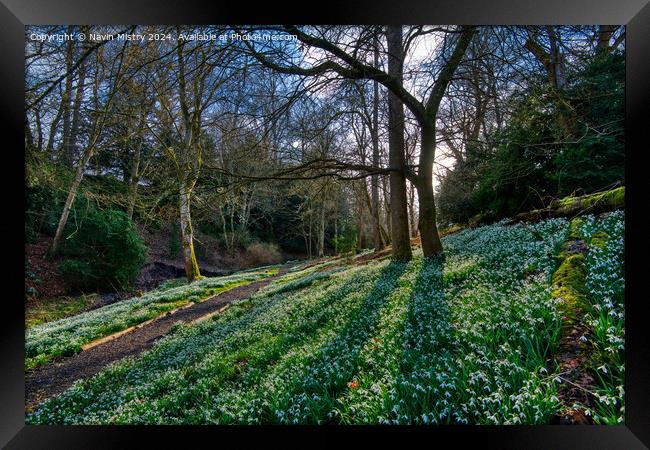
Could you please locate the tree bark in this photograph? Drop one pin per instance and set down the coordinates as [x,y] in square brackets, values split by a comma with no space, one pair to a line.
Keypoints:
[29,137]
[321,232]
[429,236]
[52,135]
[191,266]
[412,222]
[74,127]
[374,180]
[39,129]
[66,100]
[72,193]
[134,175]
[397,179]
[387,214]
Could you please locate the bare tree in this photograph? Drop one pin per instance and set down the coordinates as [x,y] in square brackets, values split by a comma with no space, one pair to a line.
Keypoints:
[100,117]
[400,236]
[425,112]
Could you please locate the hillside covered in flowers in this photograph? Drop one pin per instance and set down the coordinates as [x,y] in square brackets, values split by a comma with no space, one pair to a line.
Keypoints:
[482,334]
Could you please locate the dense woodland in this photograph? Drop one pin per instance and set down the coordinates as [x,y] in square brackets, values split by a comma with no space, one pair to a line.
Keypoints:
[405,224]
[336,139]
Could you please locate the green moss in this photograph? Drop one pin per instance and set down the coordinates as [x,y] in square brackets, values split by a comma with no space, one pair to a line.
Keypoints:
[614,198]
[568,284]
[574,228]
[599,239]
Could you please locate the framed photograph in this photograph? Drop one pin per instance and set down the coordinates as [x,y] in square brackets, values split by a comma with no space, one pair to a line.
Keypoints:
[401,220]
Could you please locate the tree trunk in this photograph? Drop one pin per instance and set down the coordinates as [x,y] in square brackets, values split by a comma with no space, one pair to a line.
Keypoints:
[374,180]
[72,193]
[74,128]
[67,156]
[429,236]
[39,130]
[134,176]
[310,236]
[321,232]
[225,228]
[412,222]
[52,135]
[387,214]
[360,227]
[29,137]
[336,235]
[556,59]
[191,266]
[397,178]
[133,193]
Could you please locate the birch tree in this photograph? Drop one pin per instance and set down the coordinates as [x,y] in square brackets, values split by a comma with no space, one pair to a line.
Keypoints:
[200,69]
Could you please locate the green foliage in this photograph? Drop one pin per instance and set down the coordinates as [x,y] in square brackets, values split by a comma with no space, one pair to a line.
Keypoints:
[56,309]
[345,242]
[597,97]
[102,250]
[556,143]
[42,211]
[174,242]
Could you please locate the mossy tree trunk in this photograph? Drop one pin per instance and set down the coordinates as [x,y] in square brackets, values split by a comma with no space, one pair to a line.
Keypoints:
[431,244]
[135,173]
[191,266]
[574,206]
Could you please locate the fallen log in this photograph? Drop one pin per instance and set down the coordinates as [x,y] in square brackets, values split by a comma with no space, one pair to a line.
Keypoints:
[597,203]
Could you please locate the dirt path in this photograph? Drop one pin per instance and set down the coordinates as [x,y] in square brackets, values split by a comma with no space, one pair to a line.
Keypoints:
[54,378]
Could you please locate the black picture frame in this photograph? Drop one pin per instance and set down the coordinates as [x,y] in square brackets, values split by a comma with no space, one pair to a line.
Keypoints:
[635,14]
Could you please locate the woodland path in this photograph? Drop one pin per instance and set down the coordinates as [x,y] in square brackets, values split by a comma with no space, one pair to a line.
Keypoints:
[55,377]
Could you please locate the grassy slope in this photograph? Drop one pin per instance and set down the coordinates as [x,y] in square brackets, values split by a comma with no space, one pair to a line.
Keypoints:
[67,336]
[38,312]
[460,340]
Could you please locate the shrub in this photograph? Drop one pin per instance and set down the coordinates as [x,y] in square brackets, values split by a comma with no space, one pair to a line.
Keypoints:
[78,274]
[42,211]
[264,253]
[104,251]
[345,243]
